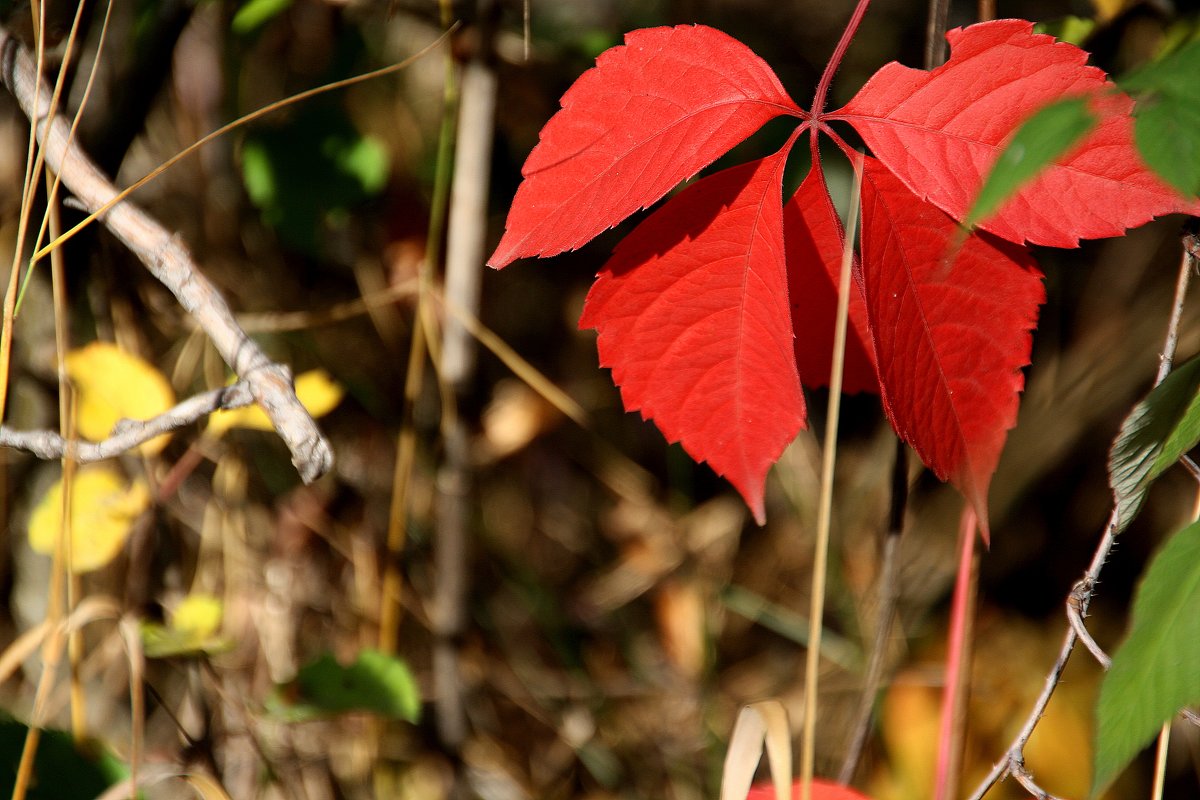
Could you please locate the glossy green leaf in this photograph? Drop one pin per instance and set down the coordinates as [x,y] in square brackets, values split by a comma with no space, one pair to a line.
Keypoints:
[1167,116]
[375,682]
[1038,142]
[1156,671]
[1160,429]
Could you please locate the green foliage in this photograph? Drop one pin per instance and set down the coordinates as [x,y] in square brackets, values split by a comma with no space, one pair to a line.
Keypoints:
[375,682]
[1158,430]
[253,14]
[61,770]
[1167,117]
[1071,29]
[1040,140]
[1156,672]
[307,174]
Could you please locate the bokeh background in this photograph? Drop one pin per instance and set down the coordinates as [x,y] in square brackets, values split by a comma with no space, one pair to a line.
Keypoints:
[619,605]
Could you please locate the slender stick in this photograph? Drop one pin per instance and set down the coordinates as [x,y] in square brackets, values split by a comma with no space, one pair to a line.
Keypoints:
[825,508]
[935,33]
[127,434]
[1013,760]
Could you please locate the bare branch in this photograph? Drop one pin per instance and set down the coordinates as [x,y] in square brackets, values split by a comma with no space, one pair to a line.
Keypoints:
[1013,762]
[128,434]
[164,254]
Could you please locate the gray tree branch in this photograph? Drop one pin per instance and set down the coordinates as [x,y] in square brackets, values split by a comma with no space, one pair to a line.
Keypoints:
[165,255]
[128,433]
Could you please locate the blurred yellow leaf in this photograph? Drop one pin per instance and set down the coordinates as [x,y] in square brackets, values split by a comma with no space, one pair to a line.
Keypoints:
[115,385]
[1107,9]
[318,393]
[104,507]
[198,614]
[194,628]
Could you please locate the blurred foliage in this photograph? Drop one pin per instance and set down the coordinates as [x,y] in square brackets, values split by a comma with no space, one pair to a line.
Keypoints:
[62,770]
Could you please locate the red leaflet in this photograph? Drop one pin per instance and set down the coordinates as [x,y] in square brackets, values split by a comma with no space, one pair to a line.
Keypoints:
[815,239]
[692,313]
[694,310]
[952,331]
[940,131]
[649,115]
[821,790]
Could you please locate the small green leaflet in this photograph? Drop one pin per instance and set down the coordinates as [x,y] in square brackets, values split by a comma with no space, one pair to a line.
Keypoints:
[1159,430]
[253,14]
[1070,29]
[375,682]
[1156,671]
[1039,142]
[1167,116]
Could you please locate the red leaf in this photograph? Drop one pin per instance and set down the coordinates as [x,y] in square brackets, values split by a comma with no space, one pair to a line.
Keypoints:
[693,319]
[814,238]
[951,336]
[940,132]
[821,790]
[651,114]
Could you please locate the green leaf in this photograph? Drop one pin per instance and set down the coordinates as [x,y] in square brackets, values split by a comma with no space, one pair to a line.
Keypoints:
[374,682]
[1167,116]
[1038,143]
[1069,29]
[1156,672]
[253,14]
[62,770]
[1159,430]
[311,170]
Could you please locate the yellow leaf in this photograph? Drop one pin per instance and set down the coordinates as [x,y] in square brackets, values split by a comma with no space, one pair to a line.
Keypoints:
[194,629]
[114,385]
[103,509]
[199,615]
[317,392]
[1107,9]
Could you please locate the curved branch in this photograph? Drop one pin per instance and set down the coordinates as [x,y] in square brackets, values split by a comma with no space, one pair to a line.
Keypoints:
[165,255]
[128,434]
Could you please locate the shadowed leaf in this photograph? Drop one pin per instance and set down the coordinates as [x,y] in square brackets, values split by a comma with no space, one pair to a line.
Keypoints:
[1159,430]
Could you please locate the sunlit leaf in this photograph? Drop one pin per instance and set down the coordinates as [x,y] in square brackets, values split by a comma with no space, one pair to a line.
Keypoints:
[104,507]
[112,385]
[318,393]
[1157,432]
[375,682]
[1156,671]
[194,628]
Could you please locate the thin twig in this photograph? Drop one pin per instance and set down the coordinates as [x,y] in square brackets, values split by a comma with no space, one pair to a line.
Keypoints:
[935,33]
[825,507]
[128,434]
[1075,617]
[169,261]
[1013,762]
